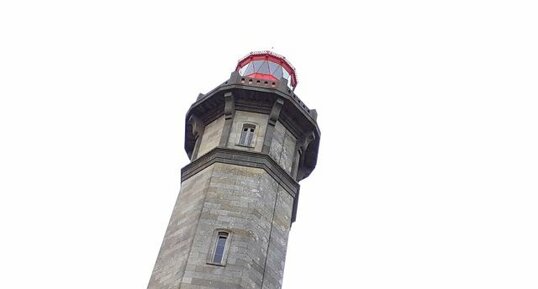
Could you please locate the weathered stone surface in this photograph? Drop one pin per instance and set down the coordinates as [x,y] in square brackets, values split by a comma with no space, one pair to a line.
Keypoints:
[244,117]
[283,147]
[180,233]
[211,136]
[248,192]
[245,201]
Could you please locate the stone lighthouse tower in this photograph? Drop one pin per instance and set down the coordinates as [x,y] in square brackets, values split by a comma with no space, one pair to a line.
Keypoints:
[250,141]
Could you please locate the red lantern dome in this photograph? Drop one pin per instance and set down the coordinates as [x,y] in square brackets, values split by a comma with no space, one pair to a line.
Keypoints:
[268,66]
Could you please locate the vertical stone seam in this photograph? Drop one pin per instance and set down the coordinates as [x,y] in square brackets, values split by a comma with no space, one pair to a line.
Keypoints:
[270,234]
[236,182]
[197,225]
[229,116]
[271,123]
[197,144]
[282,149]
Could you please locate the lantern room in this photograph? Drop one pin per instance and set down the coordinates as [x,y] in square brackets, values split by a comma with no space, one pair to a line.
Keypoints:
[267,65]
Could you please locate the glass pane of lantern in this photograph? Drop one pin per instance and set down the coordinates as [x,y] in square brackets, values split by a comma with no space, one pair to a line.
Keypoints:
[264,68]
[256,65]
[272,66]
[249,70]
[277,72]
[285,74]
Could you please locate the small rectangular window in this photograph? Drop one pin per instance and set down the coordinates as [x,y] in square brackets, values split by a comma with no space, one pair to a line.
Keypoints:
[220,246]
[247,135]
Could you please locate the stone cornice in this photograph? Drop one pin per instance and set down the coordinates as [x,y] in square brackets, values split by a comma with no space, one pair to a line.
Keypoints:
[247,159]
[294,114]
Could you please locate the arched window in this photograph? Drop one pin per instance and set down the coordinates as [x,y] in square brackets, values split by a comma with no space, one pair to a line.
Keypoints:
[220,248]
[247,134]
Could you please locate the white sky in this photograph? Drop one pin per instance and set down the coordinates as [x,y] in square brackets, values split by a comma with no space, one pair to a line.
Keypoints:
[428,165]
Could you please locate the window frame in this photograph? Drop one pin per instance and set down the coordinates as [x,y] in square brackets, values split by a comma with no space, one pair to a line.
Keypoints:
[242,140]
[214,243]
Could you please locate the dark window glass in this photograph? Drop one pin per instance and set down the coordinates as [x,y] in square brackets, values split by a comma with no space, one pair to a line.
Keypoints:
[219,249]
[247,134]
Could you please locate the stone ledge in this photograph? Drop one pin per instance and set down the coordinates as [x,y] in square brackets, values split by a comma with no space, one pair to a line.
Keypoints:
[294,115]
[247,159]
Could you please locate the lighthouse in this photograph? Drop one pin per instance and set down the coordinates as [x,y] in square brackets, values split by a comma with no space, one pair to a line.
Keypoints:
[250,141]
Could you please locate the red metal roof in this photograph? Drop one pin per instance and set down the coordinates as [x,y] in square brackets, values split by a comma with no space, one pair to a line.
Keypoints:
[265,65]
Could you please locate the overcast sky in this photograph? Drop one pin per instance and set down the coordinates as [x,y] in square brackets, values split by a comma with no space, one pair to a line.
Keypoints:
[427,174]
